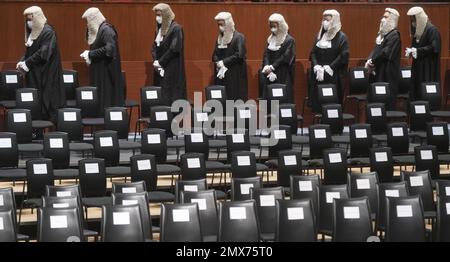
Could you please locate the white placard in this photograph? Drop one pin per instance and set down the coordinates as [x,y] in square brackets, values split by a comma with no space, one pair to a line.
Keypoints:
[144,164]
[419,109]
[243,160]
[245,188]
[121,218]
[295,213]
[197,138]
[56,143]
[60,205]
[286,112]
[277,92]
[431,89]
[40,169]
[63,193]
[68,79]
[416,181]
[87,95]
[392,193]
[238,213]
[216,94]
[447,190]
[290,160]
[335,158]
[2,202]
[161,116]
[320,133]
[5,143]
[351,213]
[426,154]
[202,117]
[70,116]
[376,111]
[129,202]
[406,73]
[2,226]
[153,139]
[11,79]
[380,90]
[279,134]
[404,211]
[332,195]
[397,131]
[151,94]
[305,186]
[190,188]
[20,118]
[245,113]
[106,141]
[362,184]
[447,207]
[358,74]
[201,202]
[267,200]
[26,97]
[180,215]
[91,168]
[437,130]
[193,162]
[115,116]
[327,91]
[333,113]
[128,190]
[237,138]
[58,222]
[360,133]
[381,157]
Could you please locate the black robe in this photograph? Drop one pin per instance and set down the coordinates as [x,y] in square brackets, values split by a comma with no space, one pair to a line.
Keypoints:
[105,71]
[337,58]
[234,58]
[386,58]
[426,68]
[170,55]
[44,61]
[283,61]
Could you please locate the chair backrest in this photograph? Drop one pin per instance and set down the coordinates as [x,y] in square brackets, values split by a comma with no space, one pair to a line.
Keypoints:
[8,232]
[216,92]
[28,98]
[306,187]
[296,221]
[10,81]
[243,164]
[419,183]
[265,205]
[64,202]
[379,92]
[193,166]
[240,187]
[405,84]
[398,138]
[59,225]
[335,166]
[319,140]
[141,200]
[376,117]
[352,220]
[56,148]
[288,116]
[382,163]
[180,223]
[326,196]
[70,80]
[360,140]
[245,117]
[64,191]
[92,177]
[405,220]
[419,115]
[238,222]
[143,168]
[385,191]
[122,223]
[106,146]
[196,142]
[161,117]
[289,164]
[7,199]
[426,158]
[281,137]
[437,135]
[189,186]
[332,116]
[129,188]
[364,185]
[200,118]
[39,175]
[327,94]
[116,118]
[442,228]
[150,96]
[359,80]
[9,151]
[69,121]
[431,92]
[19,122]
[239,140]
[87,101]
[207,205]
[154,142]
[278,92]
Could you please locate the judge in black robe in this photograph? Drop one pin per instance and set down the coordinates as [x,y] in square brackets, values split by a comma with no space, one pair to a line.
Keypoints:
[168,56]
[229,58]
[104,60]
[425,50]
[279,58]
[42,64]
[329,55]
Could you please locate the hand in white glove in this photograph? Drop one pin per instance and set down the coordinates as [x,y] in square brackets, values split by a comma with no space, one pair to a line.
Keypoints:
[320,74]
[317,68]
[328,69]
[24,67]
[220,64]
[369,64]
[85,56]
[156,64]
[266,69]
[18,64]
[161,72]
[408,52]
[272,77]
[221,73]
[414,52]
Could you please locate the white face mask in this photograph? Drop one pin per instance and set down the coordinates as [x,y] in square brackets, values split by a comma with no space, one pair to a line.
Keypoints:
[159,19]
[29,24]
[326,24]
[274,30]
[383,21]
[222,28]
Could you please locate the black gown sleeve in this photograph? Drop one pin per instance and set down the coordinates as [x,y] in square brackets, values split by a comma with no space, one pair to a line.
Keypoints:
[266,57]
[313,56]
[176,45]
[109,48]
[434,45]
[389,51]
[48,44]
[288,56]
[238,55]
[154,48]
[342,59]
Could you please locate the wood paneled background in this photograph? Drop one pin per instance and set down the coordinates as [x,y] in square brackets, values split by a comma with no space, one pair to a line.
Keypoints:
[135,23]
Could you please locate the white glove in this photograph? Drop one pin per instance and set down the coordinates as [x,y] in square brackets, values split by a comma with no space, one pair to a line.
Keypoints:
[272,77]
[220,64]
[156,64]
[161,72]
[408,52]
[85,56]
[221,73]
[18,64]
[317,68]
[414,52]
[320,74]
[266,69]
[328,69]
[24,67]
[368,63]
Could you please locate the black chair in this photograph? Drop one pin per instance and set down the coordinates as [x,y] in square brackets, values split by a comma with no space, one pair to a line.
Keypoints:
[150,96]
[217,93]
[431,92]
[243,164]
[358,85]
[335,166]
[64,191]
[265,202]
[245,117]
[419,116]
[405,220]
[397,138]
[69,121]
[122,224]
[8,232]
[296,221]
[70,80]
[281,139]
[382,163]
[437,135]
[129,188]
[288,116]
[180,223]
[193,166]
[441,229]
[332,116]
[360,140]
[289,164]
[239,140]
[365,185]
[352,220]
[28,98]
[327,94]
[238,222]
[92,176]
[189,186]
[161,117]
[385,191]
[19,122]
[326,196]
[426,158]
[319,140]
[376,117]
[9,154]
[419,183]
[87,101]
[59,225]
[106,146]
[10,81]
[405,84]
[240,187]
[380,92]
[198,142]
[117,119]
[56,148]
[8,202]
[279,93]
[306,187]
